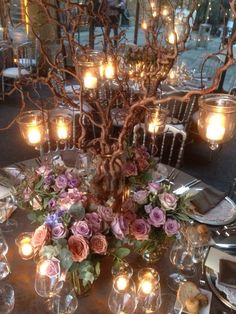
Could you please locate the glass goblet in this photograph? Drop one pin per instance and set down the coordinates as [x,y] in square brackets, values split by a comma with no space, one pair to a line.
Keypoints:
[7,298]
[123,301]
[66,301]
[180,256]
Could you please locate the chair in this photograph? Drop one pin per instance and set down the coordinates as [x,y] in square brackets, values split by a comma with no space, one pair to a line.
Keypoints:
[209,67]
[180,112]
[23,65]
[169,146]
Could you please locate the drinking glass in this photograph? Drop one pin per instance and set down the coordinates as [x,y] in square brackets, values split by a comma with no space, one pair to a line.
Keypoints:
[3,244]
[7,206]
[123,301]
[4,267]
[7,298]
[66,301]
[180,256]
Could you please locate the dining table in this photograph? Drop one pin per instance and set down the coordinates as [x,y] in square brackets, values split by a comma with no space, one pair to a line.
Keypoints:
[22,273]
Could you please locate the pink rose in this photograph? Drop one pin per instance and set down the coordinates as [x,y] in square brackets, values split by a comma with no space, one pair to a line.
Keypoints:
[120,227]
[59,231]
[106,213]
[98,244]
[50,268]
[140,229]
[171,227]
[40,237]
[130,169]
[141,197]
[168,201]
[78,247]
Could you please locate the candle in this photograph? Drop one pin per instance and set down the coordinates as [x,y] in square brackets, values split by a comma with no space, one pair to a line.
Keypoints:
[172,74]
[165,12]
[153,127]
[26,250]
[90,81]
[34,134]
[146,286]
[121,282]
[154,14]
[144,25]
[171,38]
[109,71]
[62,129]
[216,128]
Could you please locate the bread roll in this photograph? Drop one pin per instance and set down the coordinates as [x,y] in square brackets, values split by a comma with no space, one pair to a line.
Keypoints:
[203,299]
[192,305]
[187,290]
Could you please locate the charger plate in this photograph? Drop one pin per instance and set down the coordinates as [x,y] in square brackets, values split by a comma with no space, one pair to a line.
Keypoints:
[211,278]
[224,213]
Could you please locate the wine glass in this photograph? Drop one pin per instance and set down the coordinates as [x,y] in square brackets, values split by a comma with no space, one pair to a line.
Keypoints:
[3,244]
[7,206]
[7,298]
[180,256]
[66,301]
[123,300]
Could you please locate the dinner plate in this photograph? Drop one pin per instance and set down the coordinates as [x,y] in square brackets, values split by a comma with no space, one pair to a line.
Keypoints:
[223,214]
[204,310]
[211,278]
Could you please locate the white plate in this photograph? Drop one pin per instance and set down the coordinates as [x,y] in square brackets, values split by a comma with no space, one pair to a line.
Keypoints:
[223,214]
[204,310]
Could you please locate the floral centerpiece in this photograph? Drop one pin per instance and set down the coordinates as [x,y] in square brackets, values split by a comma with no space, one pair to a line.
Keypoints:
[76,230]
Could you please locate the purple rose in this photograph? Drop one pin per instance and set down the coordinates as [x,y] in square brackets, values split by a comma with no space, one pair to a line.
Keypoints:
[148,208]
[171,227]
[119,227]
[106,213]
[140,229]
[157,217]
[61,182]
[48,180]
[141,197]
[130,169]
[153,187]
[81,228]
[73,180]
[94,221]
[58,231]
[168,201]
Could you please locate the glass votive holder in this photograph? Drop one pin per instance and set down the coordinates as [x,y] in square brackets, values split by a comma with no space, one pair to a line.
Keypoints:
[32,127]
[25,246]
[4,267]
[156,120]
[61,127]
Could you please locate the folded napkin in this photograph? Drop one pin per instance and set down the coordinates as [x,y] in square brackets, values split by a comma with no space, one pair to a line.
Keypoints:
[207,199]
[227,274]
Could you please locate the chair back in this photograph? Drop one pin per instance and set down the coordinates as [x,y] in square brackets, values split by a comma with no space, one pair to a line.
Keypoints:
[168,147]
[24,57]
[209,67]
[180,112]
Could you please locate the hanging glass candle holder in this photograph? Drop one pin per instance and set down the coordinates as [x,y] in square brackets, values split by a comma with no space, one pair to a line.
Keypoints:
[217,118]
[32,127]
[87,66]
[61,127]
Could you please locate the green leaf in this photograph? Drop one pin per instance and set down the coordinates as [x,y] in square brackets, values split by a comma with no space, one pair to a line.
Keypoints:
[65,258]
[77,210]
[97,269]
[49,251]
[45,202]
[39,183]
[122,252]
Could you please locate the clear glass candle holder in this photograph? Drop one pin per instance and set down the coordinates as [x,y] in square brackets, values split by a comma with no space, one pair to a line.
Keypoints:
[61,127]
[32,126]
[156,120]
[217,118]
[24,244]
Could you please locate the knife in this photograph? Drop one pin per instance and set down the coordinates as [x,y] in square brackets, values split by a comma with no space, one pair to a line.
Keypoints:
[185,188]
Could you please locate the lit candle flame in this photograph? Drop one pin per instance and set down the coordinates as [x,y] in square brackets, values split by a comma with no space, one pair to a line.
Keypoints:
[216,127]
[90,81]
[109,71]
[34,134]
[62,130]
[144,25]
[172,38]
[121,283]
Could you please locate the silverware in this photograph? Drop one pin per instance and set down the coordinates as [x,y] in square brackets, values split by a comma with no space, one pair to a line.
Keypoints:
[185,188]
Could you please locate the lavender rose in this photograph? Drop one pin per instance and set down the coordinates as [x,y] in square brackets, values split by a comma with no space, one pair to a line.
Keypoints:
[94,220]
[141,197]
[98,244]
[130,169]
[171,227]
[50,267]
[40,236]
[153,187]
[78,247]
[157,217]
[119,227]
[168,201]
[61,182]
[106,213]
[81,228]
[140,229]
[58,231]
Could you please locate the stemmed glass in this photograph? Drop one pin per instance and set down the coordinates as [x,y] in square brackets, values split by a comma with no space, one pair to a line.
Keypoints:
[7,298]
[7,206]
[180,256]
[4,266]
[66,301]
